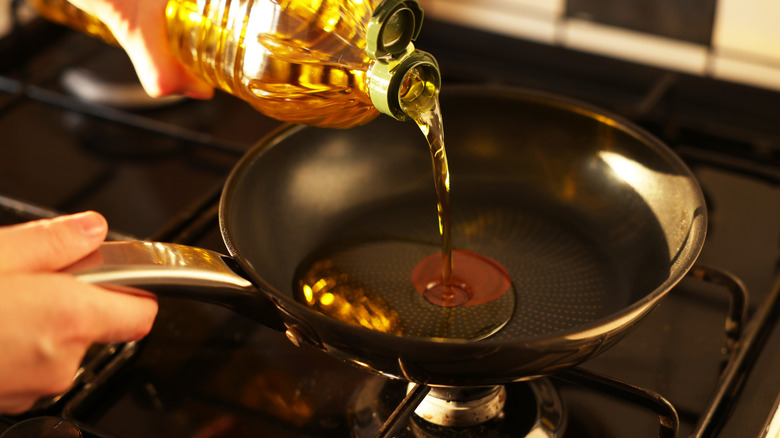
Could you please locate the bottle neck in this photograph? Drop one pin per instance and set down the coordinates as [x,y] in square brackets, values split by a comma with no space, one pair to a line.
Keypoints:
[405,86]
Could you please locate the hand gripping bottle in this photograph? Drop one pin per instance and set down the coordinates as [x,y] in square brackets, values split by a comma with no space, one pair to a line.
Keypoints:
[331,63]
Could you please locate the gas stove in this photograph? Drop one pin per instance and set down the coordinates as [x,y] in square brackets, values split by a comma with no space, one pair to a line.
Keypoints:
[700,365]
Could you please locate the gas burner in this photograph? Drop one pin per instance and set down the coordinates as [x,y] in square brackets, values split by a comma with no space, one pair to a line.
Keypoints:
[522,409]
[462,407]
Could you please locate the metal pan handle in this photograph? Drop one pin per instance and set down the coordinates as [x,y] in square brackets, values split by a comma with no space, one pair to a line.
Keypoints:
[168,269]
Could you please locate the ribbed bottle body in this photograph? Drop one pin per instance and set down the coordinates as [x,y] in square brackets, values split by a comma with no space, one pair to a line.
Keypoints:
[301,61]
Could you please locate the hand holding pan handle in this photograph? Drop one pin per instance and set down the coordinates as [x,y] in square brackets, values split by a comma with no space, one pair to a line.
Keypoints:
[168,269]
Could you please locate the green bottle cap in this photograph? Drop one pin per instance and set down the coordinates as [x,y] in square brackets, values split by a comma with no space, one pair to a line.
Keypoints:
[409,82]
[394,24]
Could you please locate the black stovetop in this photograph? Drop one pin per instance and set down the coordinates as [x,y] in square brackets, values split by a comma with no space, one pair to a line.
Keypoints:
[156,173]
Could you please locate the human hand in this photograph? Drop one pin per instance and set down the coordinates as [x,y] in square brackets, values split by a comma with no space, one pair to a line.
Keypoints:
[139,27]
[48,320]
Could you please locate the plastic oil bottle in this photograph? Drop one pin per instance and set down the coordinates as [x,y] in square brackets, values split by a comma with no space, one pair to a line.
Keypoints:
[331,63]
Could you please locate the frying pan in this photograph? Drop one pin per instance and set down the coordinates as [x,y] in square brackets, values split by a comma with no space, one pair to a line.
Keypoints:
[594,219]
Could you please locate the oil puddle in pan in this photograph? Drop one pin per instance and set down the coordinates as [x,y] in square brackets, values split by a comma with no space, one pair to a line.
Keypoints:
[560,274]
[369,284]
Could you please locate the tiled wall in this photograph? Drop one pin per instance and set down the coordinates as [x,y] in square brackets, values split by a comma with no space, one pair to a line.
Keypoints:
[735,40]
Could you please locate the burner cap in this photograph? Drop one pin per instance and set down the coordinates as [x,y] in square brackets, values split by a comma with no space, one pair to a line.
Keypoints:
[462,407]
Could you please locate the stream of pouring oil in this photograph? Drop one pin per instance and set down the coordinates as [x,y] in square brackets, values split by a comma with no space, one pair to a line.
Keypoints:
[401,287]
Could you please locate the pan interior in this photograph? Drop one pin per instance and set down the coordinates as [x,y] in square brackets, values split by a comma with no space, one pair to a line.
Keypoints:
[562,276]
[547,191]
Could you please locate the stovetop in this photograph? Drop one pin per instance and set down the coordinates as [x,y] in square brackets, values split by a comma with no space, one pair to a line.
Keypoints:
[156,173]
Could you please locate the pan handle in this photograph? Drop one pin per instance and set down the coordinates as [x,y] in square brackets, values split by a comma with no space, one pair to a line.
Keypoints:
[169,269]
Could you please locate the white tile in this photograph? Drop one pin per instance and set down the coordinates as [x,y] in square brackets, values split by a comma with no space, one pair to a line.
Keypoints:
[746,71]
[514,18]
[635,46]
[531,7]
[750,27]
[522,7]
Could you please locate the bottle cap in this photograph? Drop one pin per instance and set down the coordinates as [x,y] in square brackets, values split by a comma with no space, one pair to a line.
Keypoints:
[409,82]
[394,24]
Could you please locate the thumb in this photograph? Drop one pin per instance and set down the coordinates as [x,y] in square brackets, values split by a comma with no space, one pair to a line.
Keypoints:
[50,244]
[140,28]
[160,73]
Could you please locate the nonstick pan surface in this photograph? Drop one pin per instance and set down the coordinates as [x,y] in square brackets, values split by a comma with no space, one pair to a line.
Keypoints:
[594,220]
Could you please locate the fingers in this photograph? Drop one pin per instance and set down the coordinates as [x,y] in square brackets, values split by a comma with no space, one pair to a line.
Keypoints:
[159,72]
[58,309]
[142,32]
[117,316]
[85,313]
[48,323]
[15,404]
[139,26]
[50,244]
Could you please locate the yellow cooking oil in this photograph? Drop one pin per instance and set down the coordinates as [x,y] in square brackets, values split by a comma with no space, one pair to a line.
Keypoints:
[330,63]
[299,60]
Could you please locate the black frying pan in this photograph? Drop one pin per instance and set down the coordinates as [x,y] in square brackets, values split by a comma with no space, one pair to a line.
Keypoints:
[594,220]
